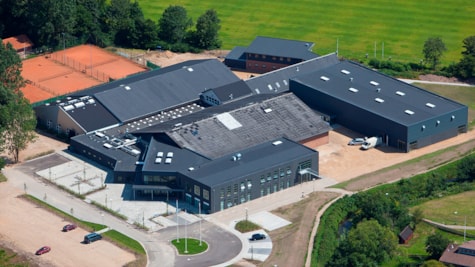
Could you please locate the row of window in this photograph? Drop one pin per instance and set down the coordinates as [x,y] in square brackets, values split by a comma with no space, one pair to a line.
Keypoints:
[247,197]
[288,59]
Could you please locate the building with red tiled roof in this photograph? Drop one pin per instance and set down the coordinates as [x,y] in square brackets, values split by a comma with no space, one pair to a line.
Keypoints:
[460,255]
[21,43]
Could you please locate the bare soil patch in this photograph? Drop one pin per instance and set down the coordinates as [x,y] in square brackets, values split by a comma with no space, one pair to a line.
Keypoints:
[290,243]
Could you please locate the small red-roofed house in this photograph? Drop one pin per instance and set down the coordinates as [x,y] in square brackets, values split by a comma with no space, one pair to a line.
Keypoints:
[21,43]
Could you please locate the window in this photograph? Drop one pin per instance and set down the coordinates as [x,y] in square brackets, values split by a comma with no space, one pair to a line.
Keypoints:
[205,194]
[197,190]
[249,184]
[242,186]
[236,186]
[228,191]
[263,180]
[288,171]
[269,177]
[276,174]
[221,193]
[282,172]
[306,164]
[262,192]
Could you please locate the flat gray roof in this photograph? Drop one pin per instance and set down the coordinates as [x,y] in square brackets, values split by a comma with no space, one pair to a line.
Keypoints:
[378,93]
[252,160]
[281,48]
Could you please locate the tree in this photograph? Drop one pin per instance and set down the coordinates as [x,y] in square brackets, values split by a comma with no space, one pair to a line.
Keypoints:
[433,263]
[433,49]
[436,244]
[173,24]
[17,119]
[466,66]
[417,217]
[369,244]
[207,27]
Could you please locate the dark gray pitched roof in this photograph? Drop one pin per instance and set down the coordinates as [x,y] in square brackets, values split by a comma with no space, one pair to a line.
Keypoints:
[137,98]
[280,116]
[281,48]
[278,81]
[237,53]
[252,159]
[232,91]
[378,93]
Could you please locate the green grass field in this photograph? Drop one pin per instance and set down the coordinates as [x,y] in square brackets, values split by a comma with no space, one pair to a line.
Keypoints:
[403,25]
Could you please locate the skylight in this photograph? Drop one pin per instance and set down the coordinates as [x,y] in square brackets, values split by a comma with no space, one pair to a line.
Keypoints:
[354,90]
[374,83]
[400,93]
[324,78]
[379,100]
[345,72]
[430,105]
[409,112]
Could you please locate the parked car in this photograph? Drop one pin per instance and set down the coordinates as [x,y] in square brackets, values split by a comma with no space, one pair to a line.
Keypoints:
[43,250]
[69,227]
[257,236]
[89,238]
[356,141]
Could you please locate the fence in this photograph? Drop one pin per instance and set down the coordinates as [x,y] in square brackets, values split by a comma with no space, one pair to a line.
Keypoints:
[86,69]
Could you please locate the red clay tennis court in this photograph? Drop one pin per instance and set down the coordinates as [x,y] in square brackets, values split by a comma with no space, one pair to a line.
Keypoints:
[72,70]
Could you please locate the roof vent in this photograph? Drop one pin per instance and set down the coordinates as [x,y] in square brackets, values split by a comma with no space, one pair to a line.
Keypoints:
[324,78]
[267,110]
[191,168]
[276,143]
[378,90]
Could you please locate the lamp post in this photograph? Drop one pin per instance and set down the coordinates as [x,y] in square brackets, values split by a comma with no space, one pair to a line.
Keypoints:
[199,215]
[186,236]
[247,212]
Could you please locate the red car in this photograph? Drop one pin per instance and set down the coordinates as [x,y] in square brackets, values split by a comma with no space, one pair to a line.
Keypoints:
[69,227]
[43,250]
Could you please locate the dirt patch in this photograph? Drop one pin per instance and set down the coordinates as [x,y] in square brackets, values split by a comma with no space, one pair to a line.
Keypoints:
[26,227]
[302,215]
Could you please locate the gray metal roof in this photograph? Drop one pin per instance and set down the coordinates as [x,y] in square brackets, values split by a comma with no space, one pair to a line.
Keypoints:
[226,132]
[278,81]
[378,93]
[237,53]
[232,91]
[167,158]
[82,109]
[142,97]
[251,161]
[281,48]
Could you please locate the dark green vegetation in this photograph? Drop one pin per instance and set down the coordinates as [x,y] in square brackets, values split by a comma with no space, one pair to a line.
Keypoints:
[57,24]
[402,25]
[189,246]
[246,226]
[17,119]
[389,206]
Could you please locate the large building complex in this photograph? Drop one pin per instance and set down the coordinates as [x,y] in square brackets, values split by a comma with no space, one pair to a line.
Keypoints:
[197,132]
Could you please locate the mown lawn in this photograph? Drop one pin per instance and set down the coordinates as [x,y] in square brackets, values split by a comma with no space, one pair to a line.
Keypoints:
[359,26]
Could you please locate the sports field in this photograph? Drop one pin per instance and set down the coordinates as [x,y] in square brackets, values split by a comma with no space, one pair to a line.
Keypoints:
[402,25]
[73,69]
